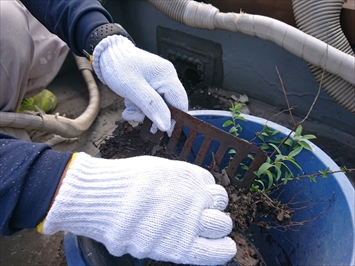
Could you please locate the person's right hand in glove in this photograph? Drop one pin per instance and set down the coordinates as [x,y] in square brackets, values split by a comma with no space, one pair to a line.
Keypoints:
[146,206]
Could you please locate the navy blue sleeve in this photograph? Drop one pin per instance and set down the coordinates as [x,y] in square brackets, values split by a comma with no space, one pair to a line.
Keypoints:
[71,20]
[29,175]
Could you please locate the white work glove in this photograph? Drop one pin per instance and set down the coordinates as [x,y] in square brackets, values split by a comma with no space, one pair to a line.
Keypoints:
[146,206]
[146,81]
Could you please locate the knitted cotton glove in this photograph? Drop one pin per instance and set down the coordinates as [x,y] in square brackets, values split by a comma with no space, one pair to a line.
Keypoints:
[145,80]
[146,206]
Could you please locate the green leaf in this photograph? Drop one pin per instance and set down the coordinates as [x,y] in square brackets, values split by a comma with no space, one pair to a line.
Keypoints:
[273,133]
[289,142]
[295,152]
[299,130]
[260,136]
[261,183]
[227,123]
[305,145]
[280,157]
[292,160]
[325,172]
[233,130]
[312,178]
[276,148]
[271,178]
[265,147]
[266,129]
[251,156]
[254,188]
[289,175]
[285,147]
[296,138]
[278,171]
[241,118]
[244,166]
[238,106]
[288,171]
[263,168]
[309,137]
[277,141]
[232,151]
[343,169]
[296,145]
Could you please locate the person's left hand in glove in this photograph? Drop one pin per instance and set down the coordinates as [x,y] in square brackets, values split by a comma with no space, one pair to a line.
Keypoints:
[146,81]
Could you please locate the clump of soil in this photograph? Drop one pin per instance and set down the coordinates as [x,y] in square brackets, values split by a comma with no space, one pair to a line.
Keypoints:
[244,207]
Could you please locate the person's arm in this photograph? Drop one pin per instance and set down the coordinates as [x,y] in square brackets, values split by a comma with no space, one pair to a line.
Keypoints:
[71,20]
[29,175]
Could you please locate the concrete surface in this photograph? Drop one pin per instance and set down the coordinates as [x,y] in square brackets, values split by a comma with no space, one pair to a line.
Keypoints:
[27,247]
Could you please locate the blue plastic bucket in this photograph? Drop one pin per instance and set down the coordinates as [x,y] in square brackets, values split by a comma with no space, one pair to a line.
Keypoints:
[329,236]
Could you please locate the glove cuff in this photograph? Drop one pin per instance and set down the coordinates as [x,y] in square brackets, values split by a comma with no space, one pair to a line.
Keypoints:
[111,43]
[102,32]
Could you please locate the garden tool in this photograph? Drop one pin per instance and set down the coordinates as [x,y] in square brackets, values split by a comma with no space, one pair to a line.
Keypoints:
[182,144]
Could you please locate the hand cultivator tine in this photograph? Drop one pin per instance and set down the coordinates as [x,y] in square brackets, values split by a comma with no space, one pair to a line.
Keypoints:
[203,150]
[174,139]
[188,145]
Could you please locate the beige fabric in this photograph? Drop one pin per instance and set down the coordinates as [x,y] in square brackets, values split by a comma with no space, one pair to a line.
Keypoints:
[30,56]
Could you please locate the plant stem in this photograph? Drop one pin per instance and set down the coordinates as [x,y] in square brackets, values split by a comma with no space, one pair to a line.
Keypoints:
[307,176]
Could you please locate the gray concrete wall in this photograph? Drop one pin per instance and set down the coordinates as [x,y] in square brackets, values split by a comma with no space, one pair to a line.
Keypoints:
[248,64]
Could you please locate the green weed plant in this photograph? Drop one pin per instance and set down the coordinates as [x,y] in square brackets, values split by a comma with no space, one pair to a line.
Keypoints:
[281,153]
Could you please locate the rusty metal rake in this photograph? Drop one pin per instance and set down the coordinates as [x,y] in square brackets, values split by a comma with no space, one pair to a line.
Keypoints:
[211,133]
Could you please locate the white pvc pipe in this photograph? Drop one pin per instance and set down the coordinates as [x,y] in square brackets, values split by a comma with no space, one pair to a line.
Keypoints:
[321,19]
[311,49]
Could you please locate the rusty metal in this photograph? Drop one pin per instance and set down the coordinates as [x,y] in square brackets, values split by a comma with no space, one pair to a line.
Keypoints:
[211,133]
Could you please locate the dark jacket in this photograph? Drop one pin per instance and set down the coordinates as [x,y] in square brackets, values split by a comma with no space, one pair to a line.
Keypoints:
[30,172]
[71,20]
[29,175]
